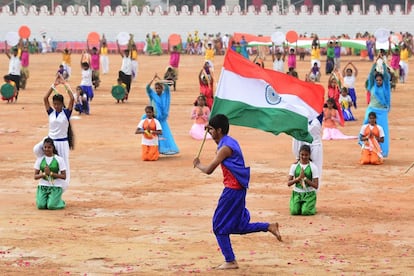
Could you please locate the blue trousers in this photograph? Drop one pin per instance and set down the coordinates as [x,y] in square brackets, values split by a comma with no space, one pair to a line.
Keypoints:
[232,217]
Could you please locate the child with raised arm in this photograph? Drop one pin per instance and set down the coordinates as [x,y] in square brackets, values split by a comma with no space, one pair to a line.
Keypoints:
[206,81]
[60,129]
[150,128]
[291,61]
[94,64]
[334,91]
[160,99]
[278,60]
[86,80]
[67,61]
[103,51]
[349,77]
[125,74]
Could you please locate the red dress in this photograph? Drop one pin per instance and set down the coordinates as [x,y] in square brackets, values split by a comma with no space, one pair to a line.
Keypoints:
[333,92]
[207,90]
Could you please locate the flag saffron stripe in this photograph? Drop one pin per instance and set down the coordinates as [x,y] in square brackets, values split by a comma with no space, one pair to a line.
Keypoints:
[312,94]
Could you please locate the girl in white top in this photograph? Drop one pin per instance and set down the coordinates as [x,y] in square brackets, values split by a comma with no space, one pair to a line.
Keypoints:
[278,59]
[150,128]
[304,177]
[86,79]
[14,67]
[349,80]
[315,130]
[50,170]
[125,74]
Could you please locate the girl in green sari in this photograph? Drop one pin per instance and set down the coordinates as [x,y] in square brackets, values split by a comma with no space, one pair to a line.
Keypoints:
[156,40]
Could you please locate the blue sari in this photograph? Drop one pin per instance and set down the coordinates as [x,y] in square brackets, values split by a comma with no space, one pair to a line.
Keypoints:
[380,104]
[161,104]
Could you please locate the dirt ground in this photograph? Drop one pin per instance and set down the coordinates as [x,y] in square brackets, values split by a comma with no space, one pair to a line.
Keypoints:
[126,216]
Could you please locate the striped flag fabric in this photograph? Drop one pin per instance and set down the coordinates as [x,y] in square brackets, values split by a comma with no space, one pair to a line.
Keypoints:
[262,98]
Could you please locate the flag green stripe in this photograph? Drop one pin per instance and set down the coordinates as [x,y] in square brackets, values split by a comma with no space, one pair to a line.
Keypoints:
[274,120]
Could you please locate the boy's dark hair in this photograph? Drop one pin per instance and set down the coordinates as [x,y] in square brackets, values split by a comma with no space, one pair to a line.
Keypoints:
[220,121]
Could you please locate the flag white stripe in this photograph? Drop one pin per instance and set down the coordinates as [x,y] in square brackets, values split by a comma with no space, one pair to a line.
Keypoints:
[237,88]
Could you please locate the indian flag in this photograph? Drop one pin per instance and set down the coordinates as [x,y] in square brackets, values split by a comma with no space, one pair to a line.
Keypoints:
[265,99]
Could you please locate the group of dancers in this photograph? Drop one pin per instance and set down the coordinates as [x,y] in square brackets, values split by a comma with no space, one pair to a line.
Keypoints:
[52,167]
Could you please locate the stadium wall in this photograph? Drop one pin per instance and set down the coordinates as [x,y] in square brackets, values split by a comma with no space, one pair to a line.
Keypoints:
[75,23]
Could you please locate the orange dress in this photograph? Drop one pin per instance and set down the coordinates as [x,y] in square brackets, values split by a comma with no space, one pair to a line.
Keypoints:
[371,150]
[150,140]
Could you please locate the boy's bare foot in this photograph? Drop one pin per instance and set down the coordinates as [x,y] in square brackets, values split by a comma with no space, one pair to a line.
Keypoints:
[274,229]
[228,265]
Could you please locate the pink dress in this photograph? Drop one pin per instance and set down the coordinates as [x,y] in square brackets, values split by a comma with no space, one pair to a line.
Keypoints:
[330,131]
[200,121]
[291,61]
[95,62]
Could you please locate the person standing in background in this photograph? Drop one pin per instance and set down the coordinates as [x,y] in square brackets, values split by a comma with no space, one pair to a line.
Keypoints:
[175,60]
[104,55]
[67,61]
[14,67]
[125,74]
[24,62]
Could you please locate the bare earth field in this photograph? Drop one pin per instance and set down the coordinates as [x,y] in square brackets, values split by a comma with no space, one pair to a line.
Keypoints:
[126,216]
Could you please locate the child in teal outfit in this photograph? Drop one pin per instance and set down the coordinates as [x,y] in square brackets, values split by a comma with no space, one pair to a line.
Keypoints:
[304,176]
[50,170]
